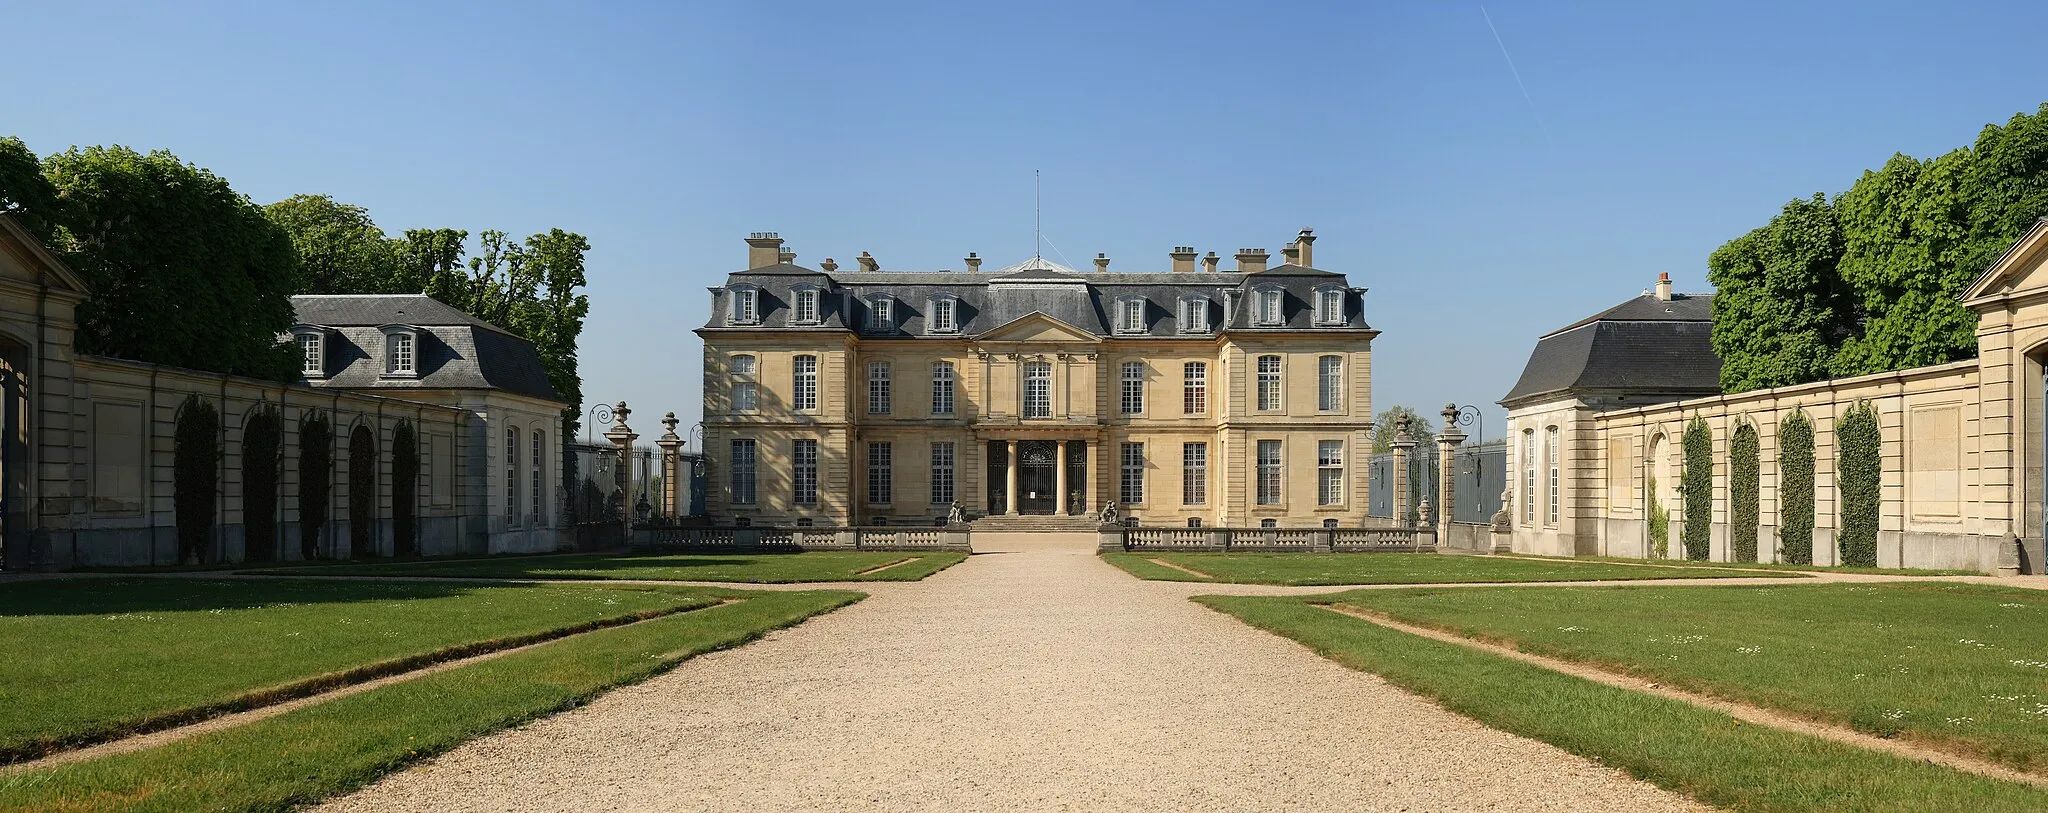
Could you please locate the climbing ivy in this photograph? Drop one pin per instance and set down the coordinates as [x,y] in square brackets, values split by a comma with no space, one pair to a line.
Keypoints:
[316,467]
[196,484]
[262,440]
[1660,524]
[1795,488]
[362,494]
[1860,476]
[1696,487]
[1745,482]
[405,477]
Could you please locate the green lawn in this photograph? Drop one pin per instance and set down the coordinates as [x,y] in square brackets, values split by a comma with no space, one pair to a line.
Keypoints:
[1872,571]
[1392,568]
[329,748]
[1678,746]
[86,659]
[1959,667]
[753,568]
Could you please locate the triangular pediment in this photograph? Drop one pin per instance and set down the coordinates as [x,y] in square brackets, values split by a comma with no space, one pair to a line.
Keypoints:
[2023,268]
[25,260]
[1037,327]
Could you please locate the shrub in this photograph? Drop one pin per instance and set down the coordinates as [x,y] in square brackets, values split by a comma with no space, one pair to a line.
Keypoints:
[1745,484]
[262,441]
[362,493]
[1696,486]
[196,484]
[316,467]
[405,489]
[1660,524]
[1795,488]
[1860,482]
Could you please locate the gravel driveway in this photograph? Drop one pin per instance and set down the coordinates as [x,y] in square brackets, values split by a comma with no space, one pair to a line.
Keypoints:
[1036,678]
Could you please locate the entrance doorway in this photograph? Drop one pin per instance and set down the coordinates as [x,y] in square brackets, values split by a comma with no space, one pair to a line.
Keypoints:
[14,435]
[1037,477]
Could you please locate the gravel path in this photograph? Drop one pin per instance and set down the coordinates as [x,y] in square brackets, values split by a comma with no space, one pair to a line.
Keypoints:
[1031,679]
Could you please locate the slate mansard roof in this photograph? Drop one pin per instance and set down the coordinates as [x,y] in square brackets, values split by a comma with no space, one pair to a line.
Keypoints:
[987,300]
[1644,346]
[456,350]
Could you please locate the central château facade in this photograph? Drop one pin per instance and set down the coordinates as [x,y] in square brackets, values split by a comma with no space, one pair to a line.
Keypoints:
[862,397]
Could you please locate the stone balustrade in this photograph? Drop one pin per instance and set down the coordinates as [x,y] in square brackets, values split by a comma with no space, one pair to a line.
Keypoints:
[1269,540]
[880,538]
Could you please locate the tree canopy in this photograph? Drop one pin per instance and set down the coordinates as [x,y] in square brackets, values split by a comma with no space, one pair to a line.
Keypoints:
[1866,282]
[1385,424]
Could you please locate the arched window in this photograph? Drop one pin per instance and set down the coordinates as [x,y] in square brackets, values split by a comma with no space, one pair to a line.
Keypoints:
[803,391]
[401,350]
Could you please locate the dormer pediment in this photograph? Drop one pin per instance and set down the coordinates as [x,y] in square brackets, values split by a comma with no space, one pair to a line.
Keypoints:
[25,260]
[1037,327]
[2021,271]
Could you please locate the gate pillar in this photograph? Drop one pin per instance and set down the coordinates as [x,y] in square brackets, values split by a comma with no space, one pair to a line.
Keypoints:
[1447,443]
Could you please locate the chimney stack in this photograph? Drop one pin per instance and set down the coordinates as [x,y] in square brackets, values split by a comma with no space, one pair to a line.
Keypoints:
[973,263]
[787,256]
[1209,262]
[1305,247]
[829,265]
[1101,263]
[1290,254]
[1251,260]
[1664,287]
[868,263]
[1183,258]
[764,248]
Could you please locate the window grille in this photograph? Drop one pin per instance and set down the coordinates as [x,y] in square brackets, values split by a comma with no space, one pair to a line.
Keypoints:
[1037,389]
[1330,384]
[942,473]
[942,388]
[1194,473]
[1269,472]
[1134,388]
[1330,472]
[804,472]
[743,471]
[803,392]
[1195,387]
[1132,479]
[880,487]
[878,388]
[1269,383]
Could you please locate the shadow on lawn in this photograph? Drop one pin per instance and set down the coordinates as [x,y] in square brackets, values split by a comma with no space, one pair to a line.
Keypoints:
[115,596]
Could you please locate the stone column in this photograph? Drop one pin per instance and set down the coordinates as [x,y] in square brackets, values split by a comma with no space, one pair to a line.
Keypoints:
[1010,477]
[1404,447]
[1447,444]
[622,437]
[671,468]
[1059,479]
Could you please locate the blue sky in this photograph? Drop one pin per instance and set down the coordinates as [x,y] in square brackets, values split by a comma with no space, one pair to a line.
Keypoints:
[1480,219]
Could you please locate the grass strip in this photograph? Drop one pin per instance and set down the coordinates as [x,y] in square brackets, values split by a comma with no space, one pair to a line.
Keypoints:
[330,748]
[1776,566]
[1311,569]
[747,568]
[1707,755]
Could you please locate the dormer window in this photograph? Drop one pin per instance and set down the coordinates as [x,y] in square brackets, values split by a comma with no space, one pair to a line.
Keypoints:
[401,350]
[746,305]
[881,315]
[1130,315]
[1194,315]
[806,306]
[945,315]
[1329,305]
[312,344]
[1267,311]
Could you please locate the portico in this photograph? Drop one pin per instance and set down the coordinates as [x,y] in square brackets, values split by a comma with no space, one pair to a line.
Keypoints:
[1041,473]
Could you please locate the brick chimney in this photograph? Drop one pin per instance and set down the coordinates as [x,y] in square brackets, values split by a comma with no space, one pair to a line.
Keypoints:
[1305,247]
[764,248]
[1183,258]
[973,262]
[1664,287]
[787,256]
[867,263]
[1251,260]
[1209,262]
[829,265]
[1101,263]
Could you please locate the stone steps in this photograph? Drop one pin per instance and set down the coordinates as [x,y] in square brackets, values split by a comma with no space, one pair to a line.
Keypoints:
[1030,522]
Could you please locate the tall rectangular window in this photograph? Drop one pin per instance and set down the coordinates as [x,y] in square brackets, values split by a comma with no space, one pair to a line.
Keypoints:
[806,306]
[1269,472]
[1269,383]
[1330,306]
[803,390]
[535,505]
[745,392]
[1131,483]
[399,353]
[1195,387]
[512,476]
[1330,472]
[803,455]
[1134,387]
[1529,476]
[1131,315]
[1330,384]
[880,471]
[878,388]
[1037,389]
[1194,315]
[743,306]
[1551,438]
[743,482]
[1269,307]
[313,358]
[942,316]
[942,388]
[1194,473]
[882,315]
[942,473]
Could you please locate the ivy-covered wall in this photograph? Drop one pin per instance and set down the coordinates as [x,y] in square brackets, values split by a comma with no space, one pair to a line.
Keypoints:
[196,482]
[262,446]
[1745,486]
[1795,488]
[1859,477]
[405,489]
[1696,487]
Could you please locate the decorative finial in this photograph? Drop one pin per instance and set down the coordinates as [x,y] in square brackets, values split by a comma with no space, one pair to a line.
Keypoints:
[670,421]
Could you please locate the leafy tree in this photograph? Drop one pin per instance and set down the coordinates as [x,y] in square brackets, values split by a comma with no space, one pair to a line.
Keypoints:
[195,461]
[340,250]
[2008,182]
[24,193]
[1905,232]
[1385,424]
[1780,308]
[183,270]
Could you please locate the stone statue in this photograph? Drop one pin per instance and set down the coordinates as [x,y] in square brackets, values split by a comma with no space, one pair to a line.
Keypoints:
[955,516]
[1109,513]
[1424,514]
[1501,523]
